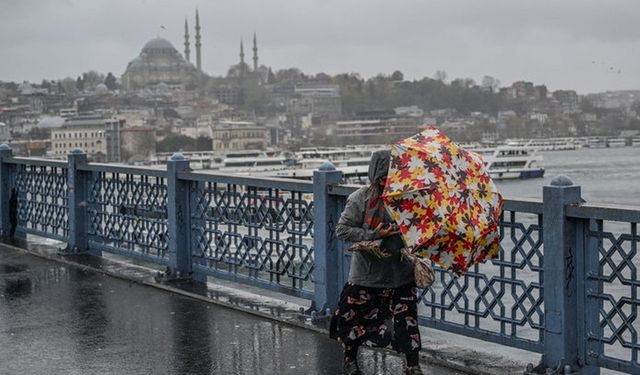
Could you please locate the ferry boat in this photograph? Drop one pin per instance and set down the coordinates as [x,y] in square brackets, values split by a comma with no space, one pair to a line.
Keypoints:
[511,162]
[547,144]
[616,142]
[595,142]
[253,161]
[353,161]
[502,162]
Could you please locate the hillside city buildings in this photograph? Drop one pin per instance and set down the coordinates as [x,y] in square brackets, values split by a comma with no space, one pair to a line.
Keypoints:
[164,101]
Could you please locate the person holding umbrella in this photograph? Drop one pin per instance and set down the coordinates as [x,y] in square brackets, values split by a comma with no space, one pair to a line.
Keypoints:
[381,284]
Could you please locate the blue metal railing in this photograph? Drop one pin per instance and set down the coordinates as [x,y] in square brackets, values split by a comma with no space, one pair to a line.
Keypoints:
[565,284]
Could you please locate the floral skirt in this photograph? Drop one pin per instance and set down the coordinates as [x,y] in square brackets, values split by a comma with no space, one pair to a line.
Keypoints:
[364,314]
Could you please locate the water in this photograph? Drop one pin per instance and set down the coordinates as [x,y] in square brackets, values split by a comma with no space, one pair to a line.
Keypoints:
[607,175]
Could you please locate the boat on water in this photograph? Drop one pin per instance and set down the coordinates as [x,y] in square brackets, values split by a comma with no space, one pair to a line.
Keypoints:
[546,144]
[595,142]
[352,161]
[502,162]
[616,142]
[511,162]
[635,142]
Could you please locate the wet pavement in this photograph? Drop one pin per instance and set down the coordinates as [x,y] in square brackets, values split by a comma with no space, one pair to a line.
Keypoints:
[62,319]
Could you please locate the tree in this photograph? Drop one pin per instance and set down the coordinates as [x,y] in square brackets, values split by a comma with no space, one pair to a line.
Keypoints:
[271,78]
[79,84]
[255,96]
[68,85]
[45,84]
[440,75]
[91,79]
[463,83]
[397,76]
[110,81]
[204,144]
[176,142]
[324,77]
[490,83]
[290,74]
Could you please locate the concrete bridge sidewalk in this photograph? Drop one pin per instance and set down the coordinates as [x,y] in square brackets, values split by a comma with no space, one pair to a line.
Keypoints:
[65,318]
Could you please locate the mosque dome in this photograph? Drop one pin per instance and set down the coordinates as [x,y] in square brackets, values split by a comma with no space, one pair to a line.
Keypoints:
[159,46]
[159,62]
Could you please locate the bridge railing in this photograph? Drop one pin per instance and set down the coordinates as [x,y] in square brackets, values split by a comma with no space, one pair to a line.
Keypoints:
[565,283]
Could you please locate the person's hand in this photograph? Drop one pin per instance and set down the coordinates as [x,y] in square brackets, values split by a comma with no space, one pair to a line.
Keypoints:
[386,230]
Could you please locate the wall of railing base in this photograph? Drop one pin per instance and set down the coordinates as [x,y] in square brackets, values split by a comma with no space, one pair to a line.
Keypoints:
[565,284]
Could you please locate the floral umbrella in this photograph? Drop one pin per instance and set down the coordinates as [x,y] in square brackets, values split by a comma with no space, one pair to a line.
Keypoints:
[444,201]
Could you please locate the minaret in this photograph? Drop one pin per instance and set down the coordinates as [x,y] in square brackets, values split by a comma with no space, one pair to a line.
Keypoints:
[198,44]
[242,64]
[255,53]
[187,51]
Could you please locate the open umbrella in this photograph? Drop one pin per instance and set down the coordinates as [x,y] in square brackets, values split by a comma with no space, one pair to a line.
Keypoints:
[445,203]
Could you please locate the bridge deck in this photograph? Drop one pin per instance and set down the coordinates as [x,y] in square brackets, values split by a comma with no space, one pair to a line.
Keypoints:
[58,318]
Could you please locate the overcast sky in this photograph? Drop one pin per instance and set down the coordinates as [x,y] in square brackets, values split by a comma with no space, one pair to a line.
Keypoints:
[588,45]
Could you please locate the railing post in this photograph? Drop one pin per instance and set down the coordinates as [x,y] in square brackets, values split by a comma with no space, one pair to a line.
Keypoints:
[326,215]
[178,221]
[5,191]
[588,285]
[560,292]
[77,203]
[197,256]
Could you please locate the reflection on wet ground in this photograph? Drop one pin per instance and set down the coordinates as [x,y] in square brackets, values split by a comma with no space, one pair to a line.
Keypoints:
[60,319]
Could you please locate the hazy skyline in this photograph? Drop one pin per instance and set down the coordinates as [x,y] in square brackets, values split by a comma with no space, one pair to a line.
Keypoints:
[587,45]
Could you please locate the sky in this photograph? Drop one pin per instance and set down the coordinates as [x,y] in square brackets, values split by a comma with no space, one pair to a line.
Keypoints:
[586,45]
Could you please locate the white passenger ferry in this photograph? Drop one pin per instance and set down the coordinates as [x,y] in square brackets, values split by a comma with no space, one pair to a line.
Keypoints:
[511,162]
[353,161]
[547,144]
[595,142]
[502,162]
[616,142]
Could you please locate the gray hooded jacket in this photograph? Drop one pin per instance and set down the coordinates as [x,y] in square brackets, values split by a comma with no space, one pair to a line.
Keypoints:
[367,270]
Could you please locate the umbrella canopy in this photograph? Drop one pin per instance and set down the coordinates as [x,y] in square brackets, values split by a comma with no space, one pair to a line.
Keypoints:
[445,203]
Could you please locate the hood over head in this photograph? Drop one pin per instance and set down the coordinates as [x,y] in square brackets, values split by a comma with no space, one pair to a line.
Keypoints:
[379,165]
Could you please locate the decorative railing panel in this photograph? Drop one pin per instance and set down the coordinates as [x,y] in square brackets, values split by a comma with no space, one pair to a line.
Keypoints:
[42,199]
[127,214]
[612,295]
[260,235]
[500,301]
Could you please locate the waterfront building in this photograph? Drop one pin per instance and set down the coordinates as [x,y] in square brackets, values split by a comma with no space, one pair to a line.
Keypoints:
[98,137]
[316,99]
[375,127]
[238,135]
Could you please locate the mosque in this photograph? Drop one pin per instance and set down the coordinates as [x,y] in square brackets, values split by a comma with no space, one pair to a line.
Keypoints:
[160,64]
